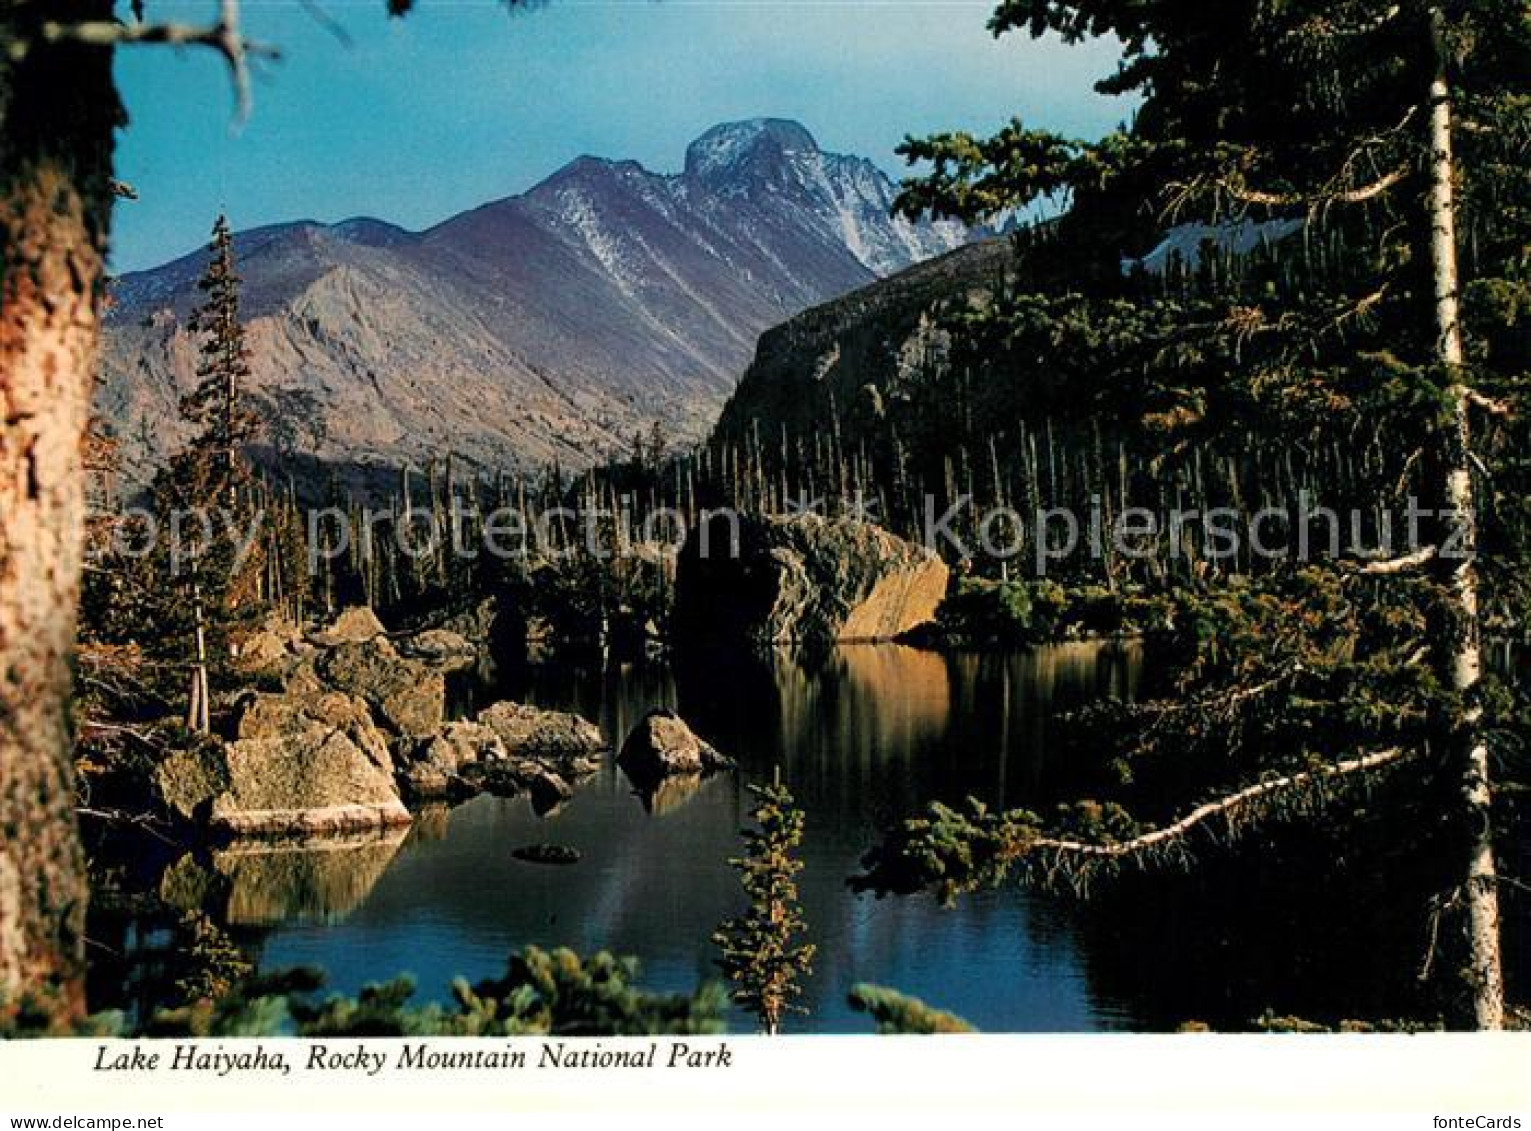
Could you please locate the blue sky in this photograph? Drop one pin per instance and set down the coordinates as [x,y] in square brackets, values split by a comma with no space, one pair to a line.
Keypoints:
[461,103]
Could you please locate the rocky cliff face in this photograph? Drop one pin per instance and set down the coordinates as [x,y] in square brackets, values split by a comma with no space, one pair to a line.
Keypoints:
[803,580]
[553,325]
[853,354]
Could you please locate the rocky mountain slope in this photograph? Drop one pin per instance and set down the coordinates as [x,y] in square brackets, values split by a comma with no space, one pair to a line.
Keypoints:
[851,354]
[549,326]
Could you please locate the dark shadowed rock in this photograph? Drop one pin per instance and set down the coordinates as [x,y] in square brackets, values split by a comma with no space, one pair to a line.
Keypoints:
[547,854]
[803,580]
[663,746]
[476,625]
[436,770]
[186,782]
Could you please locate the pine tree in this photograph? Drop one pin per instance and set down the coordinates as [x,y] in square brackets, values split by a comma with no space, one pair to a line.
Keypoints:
[208,478]
[760,951]
[1389,132]
[216,407]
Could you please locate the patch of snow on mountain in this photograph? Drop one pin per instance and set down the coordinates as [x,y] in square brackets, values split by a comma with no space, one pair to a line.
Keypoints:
[580,215]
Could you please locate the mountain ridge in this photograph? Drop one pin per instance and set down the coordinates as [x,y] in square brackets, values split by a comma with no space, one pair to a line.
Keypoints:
[551,326]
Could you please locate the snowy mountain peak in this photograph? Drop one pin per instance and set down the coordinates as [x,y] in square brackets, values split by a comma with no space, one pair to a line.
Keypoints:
[725,147]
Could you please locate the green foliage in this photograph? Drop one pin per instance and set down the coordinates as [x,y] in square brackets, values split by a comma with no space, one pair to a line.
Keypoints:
[215,966]
[541,993]
[1278,678]
[36,1014]
[983,612]
[980,611]
[897,1014]
[760,951]
[949,851]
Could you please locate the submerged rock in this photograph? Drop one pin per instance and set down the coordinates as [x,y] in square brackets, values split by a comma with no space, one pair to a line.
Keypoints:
[548,854]
[804,579]
[663,746]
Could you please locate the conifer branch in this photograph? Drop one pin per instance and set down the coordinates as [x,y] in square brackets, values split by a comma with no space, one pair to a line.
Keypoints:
[1245,195]
[1489,405]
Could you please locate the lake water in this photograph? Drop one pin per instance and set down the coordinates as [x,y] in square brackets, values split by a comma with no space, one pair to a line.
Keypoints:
[864,737]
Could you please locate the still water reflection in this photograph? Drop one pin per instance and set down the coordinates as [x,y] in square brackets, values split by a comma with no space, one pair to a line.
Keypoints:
[864,737]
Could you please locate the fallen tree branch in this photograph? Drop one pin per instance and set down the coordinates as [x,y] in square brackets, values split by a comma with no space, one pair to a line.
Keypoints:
[1224,807]
[1488,404]
[1392,566]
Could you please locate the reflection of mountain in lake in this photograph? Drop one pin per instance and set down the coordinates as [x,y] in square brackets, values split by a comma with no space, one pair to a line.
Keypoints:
[249,884]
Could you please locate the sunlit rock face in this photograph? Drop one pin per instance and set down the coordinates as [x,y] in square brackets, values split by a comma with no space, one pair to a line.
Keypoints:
[804,580]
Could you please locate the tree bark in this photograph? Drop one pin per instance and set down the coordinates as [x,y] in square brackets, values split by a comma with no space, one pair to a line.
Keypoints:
[57,112]
[1465,660]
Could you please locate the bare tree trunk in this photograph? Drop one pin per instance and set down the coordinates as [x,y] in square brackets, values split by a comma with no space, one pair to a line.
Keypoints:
[198,709]
[57,112]
[1481,894]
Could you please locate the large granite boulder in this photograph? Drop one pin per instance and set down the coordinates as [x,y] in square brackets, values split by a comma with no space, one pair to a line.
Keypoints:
[663,746]
[311,782]
[564,743]
[354,626]
[803,579]
[440,648]
[410,697]
[301,708]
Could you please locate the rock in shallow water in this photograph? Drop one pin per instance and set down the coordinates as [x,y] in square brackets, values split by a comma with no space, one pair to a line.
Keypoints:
[547,854]
[662,746]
